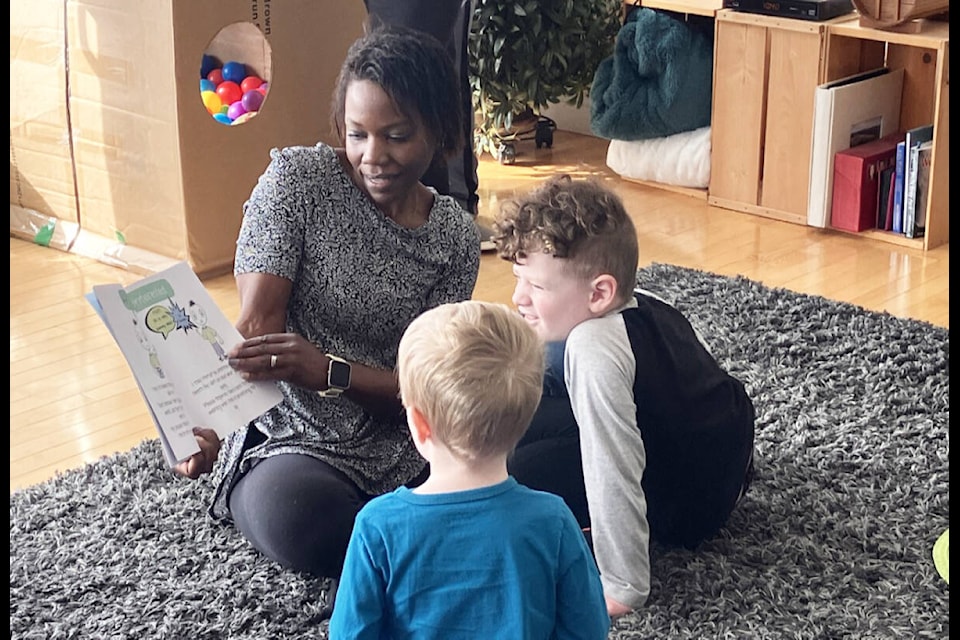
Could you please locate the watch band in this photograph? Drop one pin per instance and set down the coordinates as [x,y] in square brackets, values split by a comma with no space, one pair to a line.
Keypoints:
[338,377]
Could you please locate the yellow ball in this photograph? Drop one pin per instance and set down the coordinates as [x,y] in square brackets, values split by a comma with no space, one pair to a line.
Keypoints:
[211,101]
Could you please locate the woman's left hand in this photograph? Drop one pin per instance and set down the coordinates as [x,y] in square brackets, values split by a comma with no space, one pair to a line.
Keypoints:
[280,356]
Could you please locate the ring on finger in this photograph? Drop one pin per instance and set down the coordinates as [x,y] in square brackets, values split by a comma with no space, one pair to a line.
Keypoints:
[273,361]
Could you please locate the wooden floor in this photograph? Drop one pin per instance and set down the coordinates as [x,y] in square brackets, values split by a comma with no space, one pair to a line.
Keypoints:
[73,400]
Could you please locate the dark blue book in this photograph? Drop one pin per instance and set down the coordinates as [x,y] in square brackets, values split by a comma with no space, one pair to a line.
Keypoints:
[897,226]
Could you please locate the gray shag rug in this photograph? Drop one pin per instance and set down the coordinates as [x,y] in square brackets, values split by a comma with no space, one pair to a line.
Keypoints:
[833,540]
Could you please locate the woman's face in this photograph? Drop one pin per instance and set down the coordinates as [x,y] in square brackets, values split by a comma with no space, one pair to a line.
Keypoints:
[388,151]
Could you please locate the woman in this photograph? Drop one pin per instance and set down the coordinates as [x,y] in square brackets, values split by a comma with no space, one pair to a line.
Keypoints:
[340,249]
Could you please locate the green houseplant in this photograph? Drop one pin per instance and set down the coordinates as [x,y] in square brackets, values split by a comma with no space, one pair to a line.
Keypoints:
[527,54]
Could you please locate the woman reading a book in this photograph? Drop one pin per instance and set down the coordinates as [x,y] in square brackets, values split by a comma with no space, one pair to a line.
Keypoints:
[339,250]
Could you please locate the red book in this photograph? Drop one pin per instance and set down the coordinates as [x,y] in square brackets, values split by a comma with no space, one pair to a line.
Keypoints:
[856,182]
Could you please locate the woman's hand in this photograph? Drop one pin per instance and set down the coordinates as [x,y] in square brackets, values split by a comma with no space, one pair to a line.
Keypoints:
[281,356]
[201,462]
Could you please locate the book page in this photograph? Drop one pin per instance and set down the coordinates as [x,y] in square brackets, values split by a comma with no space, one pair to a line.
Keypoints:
[175,339]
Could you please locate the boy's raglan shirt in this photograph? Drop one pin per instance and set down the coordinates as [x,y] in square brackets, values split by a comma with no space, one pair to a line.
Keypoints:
[661,424]
[599,369]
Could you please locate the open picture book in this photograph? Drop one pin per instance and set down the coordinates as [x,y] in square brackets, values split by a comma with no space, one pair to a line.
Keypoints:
[175,339]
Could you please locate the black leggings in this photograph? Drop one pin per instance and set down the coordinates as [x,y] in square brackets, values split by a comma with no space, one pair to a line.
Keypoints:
[298,511]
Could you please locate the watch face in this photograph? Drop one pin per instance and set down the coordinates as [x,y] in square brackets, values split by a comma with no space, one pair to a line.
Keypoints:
[339,375]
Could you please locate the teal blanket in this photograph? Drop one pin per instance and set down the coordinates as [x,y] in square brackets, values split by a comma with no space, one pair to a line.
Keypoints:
[658,81]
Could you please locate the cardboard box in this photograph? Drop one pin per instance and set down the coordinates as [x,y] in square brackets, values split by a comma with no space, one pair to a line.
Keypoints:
[41,160]
[153,170]
[856,182]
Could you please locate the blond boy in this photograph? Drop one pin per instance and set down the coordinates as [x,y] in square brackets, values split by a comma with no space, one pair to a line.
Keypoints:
[469,553]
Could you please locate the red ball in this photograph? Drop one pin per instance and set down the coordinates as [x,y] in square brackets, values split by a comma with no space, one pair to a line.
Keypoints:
[249,83]
[215,76]
[229,92]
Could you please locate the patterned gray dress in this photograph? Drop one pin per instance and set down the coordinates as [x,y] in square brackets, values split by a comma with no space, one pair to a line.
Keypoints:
[358,280]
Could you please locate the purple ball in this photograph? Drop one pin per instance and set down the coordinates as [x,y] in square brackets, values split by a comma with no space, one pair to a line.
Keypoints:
[252,100]
[236,110]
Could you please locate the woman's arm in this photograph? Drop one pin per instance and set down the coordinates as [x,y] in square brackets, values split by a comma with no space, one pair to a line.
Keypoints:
[262,321]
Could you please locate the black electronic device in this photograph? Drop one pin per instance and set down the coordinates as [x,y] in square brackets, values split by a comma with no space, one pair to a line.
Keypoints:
[817,10]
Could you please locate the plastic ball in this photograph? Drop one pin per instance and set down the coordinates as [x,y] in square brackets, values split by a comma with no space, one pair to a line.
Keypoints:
[249,83]
[252,100]
[264,88]
[234,71]
[215,76]
[207,85]
[222,118]
[236,110]
[249,115]
[211,101]
[207,64]
[223,109]
[229,91]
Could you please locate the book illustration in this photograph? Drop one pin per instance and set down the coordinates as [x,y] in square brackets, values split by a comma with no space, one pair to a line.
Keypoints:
[174,339]
[208,333]
[848,112]
[154,359]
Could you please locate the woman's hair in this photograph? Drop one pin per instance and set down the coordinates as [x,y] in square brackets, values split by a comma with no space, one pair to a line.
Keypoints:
[475,371]
[414,69]
[581,221]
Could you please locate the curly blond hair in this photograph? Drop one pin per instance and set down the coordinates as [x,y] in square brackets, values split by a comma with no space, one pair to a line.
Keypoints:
[581,221]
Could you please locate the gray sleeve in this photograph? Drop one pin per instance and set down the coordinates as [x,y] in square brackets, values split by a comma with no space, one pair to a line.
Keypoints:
[273,227]
[460,277]
[599,370]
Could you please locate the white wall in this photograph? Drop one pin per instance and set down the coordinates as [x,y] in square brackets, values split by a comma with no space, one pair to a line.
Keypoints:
[570,118]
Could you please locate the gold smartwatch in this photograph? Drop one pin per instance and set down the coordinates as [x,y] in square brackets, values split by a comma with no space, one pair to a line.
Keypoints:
[338,377]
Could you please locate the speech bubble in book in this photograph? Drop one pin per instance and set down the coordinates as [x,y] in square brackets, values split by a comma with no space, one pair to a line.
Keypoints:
[160,321]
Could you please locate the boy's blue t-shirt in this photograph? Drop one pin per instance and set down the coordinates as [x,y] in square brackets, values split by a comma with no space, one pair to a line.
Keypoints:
[503,561]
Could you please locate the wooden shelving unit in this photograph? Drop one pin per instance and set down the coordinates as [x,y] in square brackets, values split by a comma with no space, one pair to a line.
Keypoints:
[766,70]
[922,49]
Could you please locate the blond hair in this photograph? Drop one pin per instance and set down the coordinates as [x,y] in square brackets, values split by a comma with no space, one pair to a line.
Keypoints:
[581,221]
[475,371]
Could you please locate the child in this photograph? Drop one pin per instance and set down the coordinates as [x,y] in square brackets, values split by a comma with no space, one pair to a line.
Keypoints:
[470,553]
[665,434]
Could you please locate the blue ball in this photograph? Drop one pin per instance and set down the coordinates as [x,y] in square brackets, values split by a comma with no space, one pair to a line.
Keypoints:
[207,64]
[207,85]
[234,71]
[222,118]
